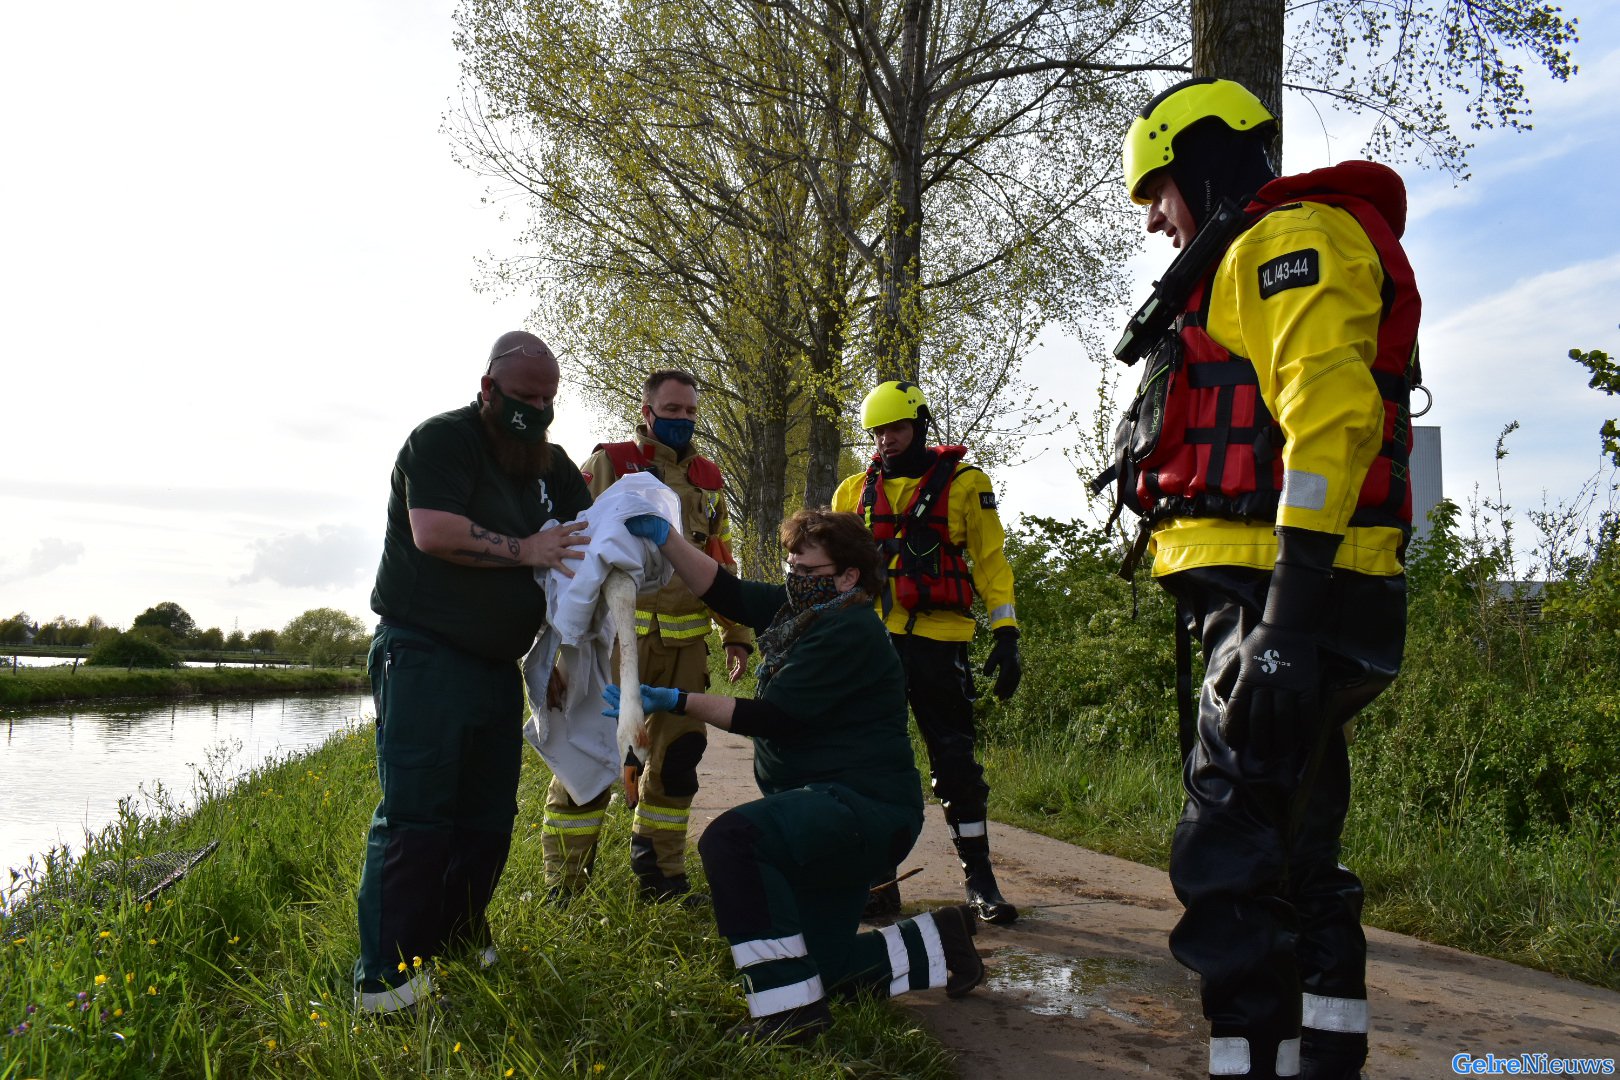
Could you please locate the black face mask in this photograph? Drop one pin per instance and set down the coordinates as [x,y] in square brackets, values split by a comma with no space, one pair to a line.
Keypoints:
[522,421]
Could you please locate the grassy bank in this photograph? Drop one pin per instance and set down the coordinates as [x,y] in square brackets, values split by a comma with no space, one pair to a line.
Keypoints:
[42,685]
[242,968]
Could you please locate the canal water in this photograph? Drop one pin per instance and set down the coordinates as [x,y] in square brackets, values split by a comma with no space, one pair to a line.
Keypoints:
[63,768]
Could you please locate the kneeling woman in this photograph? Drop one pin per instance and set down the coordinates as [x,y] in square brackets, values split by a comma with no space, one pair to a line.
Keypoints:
[789,873]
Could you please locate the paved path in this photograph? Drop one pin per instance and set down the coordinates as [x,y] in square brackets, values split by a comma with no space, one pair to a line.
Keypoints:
[1083,985]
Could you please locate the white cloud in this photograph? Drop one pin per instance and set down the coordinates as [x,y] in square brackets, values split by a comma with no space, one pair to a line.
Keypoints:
[49,554]
[333,556]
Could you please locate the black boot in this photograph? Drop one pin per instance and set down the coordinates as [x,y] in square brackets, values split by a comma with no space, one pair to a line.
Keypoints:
[798,1026]
[983,895]
[964,970]
[655,887]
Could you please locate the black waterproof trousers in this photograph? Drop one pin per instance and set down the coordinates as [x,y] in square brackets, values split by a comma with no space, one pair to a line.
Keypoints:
[939,686]
[1273,921]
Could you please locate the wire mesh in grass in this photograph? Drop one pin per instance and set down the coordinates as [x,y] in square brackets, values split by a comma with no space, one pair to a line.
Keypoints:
[144,876]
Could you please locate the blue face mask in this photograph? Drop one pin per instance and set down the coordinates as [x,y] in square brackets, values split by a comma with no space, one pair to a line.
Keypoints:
[675,434]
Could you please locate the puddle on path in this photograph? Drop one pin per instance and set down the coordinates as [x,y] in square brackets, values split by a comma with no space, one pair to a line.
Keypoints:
[1050,985]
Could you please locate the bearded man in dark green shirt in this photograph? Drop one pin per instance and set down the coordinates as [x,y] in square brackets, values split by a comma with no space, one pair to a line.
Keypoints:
[474,508]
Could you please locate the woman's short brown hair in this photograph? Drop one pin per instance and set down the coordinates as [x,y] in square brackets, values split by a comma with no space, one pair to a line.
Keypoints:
[847,542]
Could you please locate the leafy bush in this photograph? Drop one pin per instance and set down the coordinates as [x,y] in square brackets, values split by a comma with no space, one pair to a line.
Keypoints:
[133,650]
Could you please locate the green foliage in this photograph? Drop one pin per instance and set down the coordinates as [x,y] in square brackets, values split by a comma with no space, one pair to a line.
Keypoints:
[324,637]
[1605,377]
[40,685]
[133,650]
[173,624]
[1095,670]
[263,640]
[17,629]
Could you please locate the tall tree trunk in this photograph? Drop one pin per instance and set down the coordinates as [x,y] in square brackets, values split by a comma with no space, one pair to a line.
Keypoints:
[1242,40]
[900,328]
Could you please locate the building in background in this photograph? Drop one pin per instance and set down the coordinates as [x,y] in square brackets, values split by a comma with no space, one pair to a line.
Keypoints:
[1427,488]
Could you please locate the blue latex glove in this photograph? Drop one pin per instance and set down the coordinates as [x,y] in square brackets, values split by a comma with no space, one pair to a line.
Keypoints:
[653,698]
[648,527]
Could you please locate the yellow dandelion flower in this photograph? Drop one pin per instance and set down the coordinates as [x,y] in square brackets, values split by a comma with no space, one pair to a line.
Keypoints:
[269,1044]
[19,941]
[509,1072]
[314,1016]
[151,941]
[598,1067]
[324,1024]
[416,961]
[105,934]
[456,1049]
[402,965]
[101,980]
[236,938]
[147,906]
[117,1013]
[151,991]
[129,977]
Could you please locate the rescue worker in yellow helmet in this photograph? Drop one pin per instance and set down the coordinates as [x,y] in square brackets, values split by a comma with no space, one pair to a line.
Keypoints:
[672,631]
[1267,455]
[935,518]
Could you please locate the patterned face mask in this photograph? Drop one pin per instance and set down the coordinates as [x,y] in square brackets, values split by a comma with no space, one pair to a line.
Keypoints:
[524,422]
[805,591]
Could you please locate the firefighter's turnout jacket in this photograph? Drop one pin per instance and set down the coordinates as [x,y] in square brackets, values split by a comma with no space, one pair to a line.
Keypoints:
[673,613]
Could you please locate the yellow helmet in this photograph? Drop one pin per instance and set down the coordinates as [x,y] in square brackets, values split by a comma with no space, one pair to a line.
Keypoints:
[893,401]
[1150,142]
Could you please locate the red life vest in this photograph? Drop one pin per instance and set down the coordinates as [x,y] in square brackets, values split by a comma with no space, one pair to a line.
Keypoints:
[930,572]
[629,457]
[1202,442]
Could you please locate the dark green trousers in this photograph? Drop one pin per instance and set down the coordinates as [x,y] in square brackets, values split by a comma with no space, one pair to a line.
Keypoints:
[449,750]
[789,876]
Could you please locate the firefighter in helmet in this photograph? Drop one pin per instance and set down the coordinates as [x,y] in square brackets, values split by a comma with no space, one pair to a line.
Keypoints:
[935,518]
[1267,456]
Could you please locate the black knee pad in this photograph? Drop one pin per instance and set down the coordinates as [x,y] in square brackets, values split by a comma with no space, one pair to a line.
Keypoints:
[679,772]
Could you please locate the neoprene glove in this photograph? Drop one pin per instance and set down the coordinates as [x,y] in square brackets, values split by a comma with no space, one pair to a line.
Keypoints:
[1005,661]
[648,527]
[653,698]
[1272,712]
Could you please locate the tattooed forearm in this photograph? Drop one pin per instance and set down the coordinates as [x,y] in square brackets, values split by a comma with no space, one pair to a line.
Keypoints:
[512,543]
[486,557]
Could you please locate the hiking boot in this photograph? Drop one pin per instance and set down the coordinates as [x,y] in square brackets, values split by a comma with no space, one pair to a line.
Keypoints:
[963,968]
[799,1026]
[983,896]
[882,902]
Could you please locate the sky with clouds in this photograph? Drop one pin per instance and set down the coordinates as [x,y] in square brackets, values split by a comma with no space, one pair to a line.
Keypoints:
[237,264]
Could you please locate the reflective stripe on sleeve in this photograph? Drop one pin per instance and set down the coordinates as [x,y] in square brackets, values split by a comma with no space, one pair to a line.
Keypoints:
[1002,611]
[968,829]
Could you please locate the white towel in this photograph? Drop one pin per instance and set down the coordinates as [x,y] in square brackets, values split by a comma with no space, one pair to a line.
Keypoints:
[578,743]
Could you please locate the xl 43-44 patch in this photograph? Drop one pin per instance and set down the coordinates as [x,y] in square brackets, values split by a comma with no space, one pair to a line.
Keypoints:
[1291,271]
